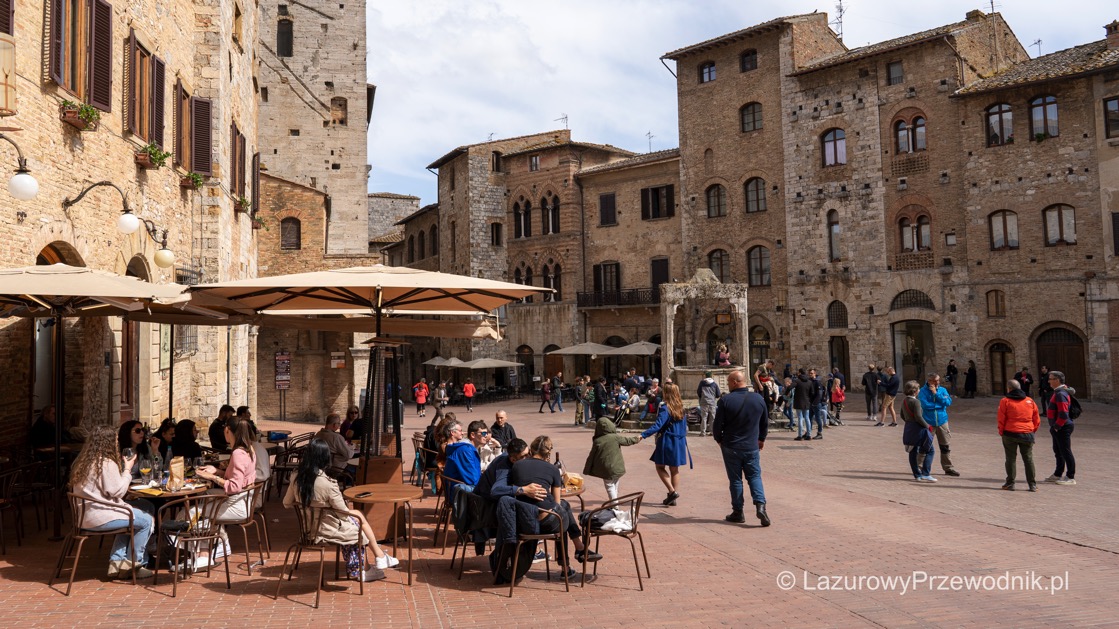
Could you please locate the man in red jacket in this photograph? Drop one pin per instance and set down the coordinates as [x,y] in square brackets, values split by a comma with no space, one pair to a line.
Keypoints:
[1018,421]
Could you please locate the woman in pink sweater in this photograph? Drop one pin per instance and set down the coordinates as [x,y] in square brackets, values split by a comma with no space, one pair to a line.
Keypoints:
[102,474]
[240,474]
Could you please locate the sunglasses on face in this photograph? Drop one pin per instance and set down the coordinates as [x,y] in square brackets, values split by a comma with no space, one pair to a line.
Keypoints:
[485,433]
[138,431]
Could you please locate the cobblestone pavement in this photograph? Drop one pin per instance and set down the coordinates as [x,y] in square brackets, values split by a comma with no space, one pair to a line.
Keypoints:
[843,507]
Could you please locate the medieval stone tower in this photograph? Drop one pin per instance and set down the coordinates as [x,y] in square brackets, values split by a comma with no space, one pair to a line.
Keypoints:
[314,108]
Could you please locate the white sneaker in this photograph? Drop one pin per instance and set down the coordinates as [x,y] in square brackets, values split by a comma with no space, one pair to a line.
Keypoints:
[387,561]
[926,479]
[372,574]
[1052,479]
[1066,481]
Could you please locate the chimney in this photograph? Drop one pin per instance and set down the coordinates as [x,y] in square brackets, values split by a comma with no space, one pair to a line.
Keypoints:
[975,15]
[1112,35]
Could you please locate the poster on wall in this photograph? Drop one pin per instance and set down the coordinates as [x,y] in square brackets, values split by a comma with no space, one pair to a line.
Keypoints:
[337,360]
[283,370]
[164,347]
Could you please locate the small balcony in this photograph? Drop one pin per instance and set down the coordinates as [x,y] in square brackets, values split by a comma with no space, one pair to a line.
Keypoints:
[627,297]
[913,260]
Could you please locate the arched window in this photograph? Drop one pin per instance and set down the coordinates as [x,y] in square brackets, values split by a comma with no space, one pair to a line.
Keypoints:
[1000,125]
[716,201]
[757,262]
[707,72]
[924,233]
[434,239]
[751,117]
[1043,118]
[555,214]
[517,277]
[411,249]
[1060,225]
[759,345]
[901,135]
[528,282]
[996,304]
[545,218]
[518,221]
[719,263]
[1004,230]
[546,281]
[421,245]
[919,134]
[557,284]
[526,217]
[833,236]
[912,299]
[915,236]
[837,315]
[748,60]
[755,195]
[905,229]
[291,234]
[835,147]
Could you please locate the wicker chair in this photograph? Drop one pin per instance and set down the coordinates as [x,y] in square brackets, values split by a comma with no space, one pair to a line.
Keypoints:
[77,536]
[632,504]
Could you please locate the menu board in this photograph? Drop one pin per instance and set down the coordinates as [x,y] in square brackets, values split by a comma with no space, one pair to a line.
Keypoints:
[283,370]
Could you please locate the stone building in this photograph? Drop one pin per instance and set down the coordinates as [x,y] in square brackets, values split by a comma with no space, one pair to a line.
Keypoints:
[176,75]
[315,105]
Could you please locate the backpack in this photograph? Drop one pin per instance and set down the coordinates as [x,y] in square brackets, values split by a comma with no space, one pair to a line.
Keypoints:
[1074,409]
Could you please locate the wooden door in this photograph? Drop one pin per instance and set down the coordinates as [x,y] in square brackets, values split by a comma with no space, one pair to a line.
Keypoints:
[1061,349]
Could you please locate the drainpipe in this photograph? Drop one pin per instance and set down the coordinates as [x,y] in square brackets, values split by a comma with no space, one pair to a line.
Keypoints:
[228,364]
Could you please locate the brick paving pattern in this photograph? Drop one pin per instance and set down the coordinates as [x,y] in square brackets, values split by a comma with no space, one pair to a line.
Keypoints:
[843,506]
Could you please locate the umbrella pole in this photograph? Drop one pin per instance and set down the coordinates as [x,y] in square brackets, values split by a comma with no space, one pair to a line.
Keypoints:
[171,377]
[59,415]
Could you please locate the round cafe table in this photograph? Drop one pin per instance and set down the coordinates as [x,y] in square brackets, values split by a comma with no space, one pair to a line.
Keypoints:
[390,493]
[165,495]
[565,494]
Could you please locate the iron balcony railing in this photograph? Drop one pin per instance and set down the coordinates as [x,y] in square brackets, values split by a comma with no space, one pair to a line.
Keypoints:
[627,297]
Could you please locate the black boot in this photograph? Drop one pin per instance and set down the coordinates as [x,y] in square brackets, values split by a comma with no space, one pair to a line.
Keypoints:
[762,515]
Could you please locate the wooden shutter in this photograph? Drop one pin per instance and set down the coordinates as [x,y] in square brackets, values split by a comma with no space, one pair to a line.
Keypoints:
[646,202]
[256,183]
[8,16]
[598,278]
[177,124]
[233,158]
[130,102]
[201,135]
[242,152]
[56,41]
[101,56]
[159,75]
[670,200]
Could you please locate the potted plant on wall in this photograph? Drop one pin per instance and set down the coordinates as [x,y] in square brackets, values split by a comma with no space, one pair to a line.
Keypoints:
[191,181]
[81,116]
[151,156]
[242,204]
[258,222]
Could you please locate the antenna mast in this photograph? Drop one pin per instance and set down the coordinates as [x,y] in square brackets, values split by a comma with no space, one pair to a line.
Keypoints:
[650,136]
[1038,44]
[563,119]
[837,23]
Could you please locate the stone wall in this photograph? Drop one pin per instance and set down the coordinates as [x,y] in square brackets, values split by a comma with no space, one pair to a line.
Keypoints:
[385,209]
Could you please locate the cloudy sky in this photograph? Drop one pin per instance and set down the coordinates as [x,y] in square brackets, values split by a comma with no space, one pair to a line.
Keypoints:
[454,72]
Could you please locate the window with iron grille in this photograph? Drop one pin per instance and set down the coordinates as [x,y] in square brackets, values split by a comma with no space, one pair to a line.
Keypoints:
[912,299]
[894,73]
[186,336]
[837,315]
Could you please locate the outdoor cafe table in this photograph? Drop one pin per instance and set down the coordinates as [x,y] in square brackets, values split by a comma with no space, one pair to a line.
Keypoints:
[164,495]
[575,493]
[393,493]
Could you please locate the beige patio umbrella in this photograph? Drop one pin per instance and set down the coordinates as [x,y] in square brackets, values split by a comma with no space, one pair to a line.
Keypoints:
[437,361]
[582,349]
[60,290]
[640,348]
[488,363]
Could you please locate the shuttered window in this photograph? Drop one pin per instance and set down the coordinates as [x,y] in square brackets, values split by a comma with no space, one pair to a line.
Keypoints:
[81,49]
[237,161]
[145,88]
[658,202]
[182,140]
[8,16]
[291,234]
[256,182]
[284,38]
[201,135]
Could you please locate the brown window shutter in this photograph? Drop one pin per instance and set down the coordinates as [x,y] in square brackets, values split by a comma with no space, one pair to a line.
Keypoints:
[101,56]
[8,16]
[130,108]
[242,153]
[646,203]
[177,124]
[159,75]
[201,135]
[56,40]
[256,182]
[233,158]
[670,205]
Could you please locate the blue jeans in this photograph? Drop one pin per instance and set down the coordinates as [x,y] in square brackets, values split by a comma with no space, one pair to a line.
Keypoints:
[820,416]
[748,463]
[926,466]
[804,422]
[558,398]
[142,524]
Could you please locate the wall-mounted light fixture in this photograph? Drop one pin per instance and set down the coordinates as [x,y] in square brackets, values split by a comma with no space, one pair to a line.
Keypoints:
[803,312]
[128,223]
[22,185]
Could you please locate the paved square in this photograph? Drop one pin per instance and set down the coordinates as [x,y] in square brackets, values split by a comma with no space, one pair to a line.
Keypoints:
[843,508]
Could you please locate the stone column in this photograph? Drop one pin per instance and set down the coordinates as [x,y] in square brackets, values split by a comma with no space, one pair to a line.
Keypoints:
[668,335]
[742,319]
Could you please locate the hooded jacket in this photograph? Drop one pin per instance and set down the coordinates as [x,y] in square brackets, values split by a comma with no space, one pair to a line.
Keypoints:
[605,459]
[708,392]
[1018,414]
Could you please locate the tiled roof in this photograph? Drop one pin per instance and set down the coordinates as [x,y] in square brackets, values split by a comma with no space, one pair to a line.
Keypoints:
[730,38]
[1079,60]
[389,237]
[887,46]
[465,147]
[425,209]
[553,144]
[637,160]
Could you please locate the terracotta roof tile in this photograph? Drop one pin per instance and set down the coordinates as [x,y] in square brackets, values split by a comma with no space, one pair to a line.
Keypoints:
[886,46]
[1065,63]
[729,38]
[636,160]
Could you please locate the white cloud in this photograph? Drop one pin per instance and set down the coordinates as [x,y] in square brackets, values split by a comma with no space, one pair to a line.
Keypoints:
[451,72]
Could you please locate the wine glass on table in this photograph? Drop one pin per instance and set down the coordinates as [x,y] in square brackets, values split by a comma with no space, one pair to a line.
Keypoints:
[146,470]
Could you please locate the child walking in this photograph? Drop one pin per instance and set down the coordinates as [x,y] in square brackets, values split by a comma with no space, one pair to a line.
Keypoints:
[605,460]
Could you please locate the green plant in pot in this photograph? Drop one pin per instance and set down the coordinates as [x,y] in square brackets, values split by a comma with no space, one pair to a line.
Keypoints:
[191,180]
[243,204]
[152,156]
[88,115]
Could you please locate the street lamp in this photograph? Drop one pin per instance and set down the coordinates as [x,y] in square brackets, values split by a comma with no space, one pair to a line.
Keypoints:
[22,185]
[129,223]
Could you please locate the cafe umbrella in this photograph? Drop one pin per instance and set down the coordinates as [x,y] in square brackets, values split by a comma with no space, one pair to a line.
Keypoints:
[60,290]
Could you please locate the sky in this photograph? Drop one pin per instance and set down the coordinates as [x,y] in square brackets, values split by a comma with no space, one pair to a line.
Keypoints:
[455,72]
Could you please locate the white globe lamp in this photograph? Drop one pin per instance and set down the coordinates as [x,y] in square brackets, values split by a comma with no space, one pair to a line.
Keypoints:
[128,223]
[23,186]
[164,258]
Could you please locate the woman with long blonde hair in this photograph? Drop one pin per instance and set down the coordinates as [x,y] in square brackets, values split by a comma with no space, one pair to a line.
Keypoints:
[100,472]
[671,450]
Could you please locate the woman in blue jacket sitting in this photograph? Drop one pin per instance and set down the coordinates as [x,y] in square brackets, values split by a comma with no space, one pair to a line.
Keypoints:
[671,451]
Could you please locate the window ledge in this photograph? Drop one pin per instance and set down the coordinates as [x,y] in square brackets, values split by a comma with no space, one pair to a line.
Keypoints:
[659,218]
[607,224]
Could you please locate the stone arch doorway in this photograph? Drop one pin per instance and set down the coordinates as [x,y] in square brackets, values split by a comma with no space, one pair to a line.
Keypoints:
[914,354]
[42,343]
[1000,357]
[1062,349]
[527,358]
[553,363]
[760,340]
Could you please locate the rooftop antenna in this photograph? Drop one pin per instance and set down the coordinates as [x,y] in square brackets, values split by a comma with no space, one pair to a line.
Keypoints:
[490,138]
[650,136]
[837,23]
[563,119]
[1038,44]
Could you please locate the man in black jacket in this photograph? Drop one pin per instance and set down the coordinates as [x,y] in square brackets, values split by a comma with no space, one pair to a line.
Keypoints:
[600,398]
[741,425]
[870,389]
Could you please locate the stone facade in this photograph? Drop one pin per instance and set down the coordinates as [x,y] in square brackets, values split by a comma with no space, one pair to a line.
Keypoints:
[115,371]
[314,108]
[385,210]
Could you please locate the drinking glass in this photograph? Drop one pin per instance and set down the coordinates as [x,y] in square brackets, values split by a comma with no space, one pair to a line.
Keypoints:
[127,453]
[146,470]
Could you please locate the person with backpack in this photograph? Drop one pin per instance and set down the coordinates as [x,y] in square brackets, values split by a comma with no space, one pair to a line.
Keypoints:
[1062,411]
[708,394]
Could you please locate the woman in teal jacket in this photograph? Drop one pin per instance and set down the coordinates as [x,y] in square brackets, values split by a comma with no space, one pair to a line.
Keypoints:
[671,451]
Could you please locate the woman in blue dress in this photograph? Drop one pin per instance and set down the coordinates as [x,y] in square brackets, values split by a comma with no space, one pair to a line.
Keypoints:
[671,451]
